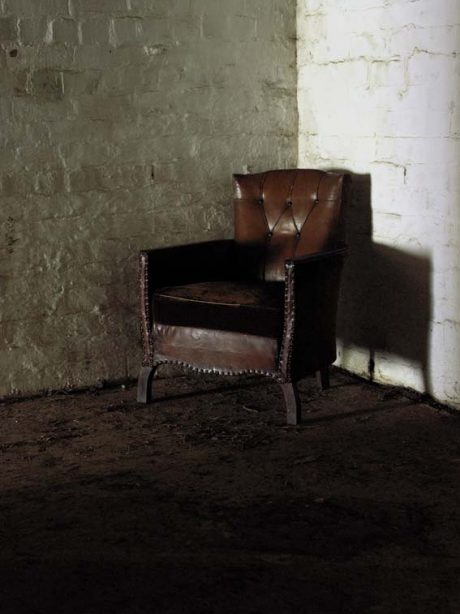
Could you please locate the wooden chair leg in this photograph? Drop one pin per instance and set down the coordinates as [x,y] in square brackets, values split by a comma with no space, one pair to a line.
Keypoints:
[292,402]
[144,385]
[322,378]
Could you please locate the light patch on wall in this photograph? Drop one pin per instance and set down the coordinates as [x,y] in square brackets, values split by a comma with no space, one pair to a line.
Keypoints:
[377,95]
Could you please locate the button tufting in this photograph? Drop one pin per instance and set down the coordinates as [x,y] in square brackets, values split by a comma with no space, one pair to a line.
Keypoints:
[260,201]
[269,234]
[297,234]
[316,201]
[289,203]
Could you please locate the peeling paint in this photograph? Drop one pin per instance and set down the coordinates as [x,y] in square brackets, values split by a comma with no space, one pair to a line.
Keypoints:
[10,234]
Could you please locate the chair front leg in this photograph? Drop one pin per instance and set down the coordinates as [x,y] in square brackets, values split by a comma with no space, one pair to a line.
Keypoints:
[292,402]
[144,384]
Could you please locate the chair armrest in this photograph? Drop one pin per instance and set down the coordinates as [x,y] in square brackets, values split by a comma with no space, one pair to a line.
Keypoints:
[338,252]
[184,264]
[312,286]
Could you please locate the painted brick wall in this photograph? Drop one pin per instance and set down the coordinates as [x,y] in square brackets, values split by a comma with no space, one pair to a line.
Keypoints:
[378,95]
[121,123]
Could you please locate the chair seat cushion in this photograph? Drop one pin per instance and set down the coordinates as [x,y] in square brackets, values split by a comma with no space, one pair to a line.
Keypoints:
[254,307]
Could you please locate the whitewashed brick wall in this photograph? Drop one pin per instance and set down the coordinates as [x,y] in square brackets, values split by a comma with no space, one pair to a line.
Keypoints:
[378,93]
[121,123]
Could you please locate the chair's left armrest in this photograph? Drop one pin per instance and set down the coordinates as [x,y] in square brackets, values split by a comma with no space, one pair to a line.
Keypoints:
[322,256]
[314,274]
[312,286]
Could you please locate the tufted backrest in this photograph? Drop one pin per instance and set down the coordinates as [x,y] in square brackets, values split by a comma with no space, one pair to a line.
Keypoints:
[286,213]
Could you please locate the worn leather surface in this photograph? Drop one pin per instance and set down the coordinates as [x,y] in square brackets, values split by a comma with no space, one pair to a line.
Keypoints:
[254,308]
[286,213]
[264,302]
[210,349]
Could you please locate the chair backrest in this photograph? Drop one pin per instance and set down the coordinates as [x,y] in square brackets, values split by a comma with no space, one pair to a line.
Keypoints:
[286,213]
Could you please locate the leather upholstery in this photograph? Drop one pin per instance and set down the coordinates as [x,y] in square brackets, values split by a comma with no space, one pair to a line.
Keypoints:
[284,214]
[215,350]
[255,308]
[265,302]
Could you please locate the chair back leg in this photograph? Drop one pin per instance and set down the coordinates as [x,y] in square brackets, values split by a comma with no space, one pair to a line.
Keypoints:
[322,378]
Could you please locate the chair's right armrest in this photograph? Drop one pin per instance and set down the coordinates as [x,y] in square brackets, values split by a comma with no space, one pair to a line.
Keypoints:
[182,264]
[185,264]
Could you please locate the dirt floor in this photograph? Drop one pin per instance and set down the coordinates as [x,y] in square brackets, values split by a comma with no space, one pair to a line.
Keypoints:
[207,503]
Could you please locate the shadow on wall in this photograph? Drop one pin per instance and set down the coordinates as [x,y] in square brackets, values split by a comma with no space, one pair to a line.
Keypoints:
[385,298]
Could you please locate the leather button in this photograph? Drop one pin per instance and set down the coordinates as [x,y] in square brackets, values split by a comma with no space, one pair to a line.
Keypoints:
[289,203]
[269,234]
[260,201]
[297,234]
[316,201]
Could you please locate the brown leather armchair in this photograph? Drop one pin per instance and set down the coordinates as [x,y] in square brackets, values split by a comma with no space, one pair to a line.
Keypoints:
[262,303]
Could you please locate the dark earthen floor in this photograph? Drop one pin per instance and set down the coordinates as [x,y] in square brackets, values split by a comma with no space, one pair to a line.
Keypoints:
[207,503]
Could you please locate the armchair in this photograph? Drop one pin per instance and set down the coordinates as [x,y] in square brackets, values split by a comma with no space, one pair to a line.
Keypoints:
[264,302]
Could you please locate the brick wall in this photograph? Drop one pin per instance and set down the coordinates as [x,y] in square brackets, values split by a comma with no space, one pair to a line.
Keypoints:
[121,123]
[378,95]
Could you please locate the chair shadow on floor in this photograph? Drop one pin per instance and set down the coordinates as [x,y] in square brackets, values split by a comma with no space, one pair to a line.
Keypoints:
[385,301]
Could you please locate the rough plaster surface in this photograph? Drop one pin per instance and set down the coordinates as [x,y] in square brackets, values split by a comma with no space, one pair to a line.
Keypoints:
[378,95]
[121,123]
